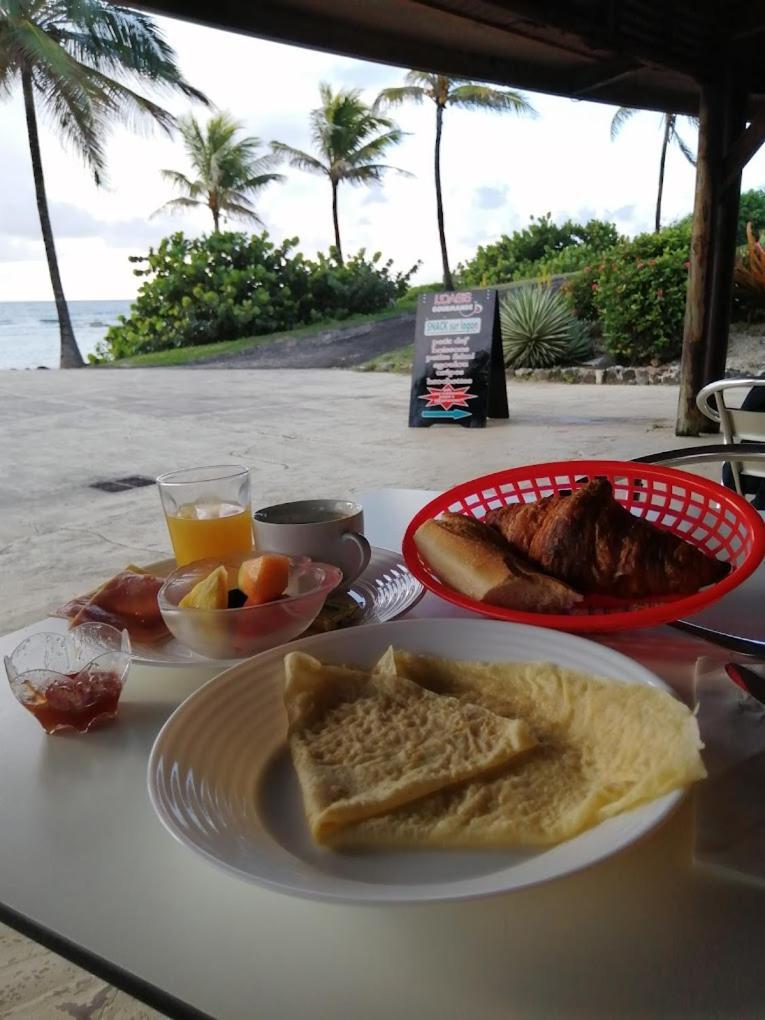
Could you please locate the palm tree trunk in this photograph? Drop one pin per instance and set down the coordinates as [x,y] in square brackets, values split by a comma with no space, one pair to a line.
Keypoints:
[337,223]
[216,219]
[662,162]
[448,283]
[70,356]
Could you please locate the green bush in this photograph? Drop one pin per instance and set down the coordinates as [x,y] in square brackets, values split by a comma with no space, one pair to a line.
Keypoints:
[579,293]
[751,208]
[628,330]
[358,286]
[224,286]
[641,303]
[537,250]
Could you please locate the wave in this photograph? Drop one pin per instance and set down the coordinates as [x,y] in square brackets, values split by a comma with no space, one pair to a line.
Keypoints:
[49,320]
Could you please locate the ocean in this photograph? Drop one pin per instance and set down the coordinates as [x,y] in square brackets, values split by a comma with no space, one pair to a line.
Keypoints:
[29,336]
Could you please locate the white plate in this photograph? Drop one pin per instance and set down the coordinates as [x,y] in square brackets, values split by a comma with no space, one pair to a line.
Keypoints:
[384,591]
[221,780]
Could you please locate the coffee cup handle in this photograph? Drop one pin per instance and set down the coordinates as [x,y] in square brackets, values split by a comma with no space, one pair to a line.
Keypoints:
[360,560]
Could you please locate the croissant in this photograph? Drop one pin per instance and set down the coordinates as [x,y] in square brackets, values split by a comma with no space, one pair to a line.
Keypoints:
[589,541]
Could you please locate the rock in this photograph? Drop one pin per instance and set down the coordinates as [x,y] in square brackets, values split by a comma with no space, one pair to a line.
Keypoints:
[601,361]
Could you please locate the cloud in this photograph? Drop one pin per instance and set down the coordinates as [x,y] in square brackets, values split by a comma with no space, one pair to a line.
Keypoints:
[375,196]
[21,224]
[13,249]
[490,198]
[357,75]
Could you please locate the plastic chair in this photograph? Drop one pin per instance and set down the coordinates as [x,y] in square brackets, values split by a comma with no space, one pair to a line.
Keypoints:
[738,424]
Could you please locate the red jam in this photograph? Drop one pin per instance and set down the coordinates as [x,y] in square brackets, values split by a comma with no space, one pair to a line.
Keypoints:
[75,701]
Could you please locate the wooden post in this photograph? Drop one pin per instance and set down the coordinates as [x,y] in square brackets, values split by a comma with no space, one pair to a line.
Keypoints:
[690,421]
[724,248]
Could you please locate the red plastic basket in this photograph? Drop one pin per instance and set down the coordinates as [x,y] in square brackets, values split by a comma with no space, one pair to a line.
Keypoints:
[701,512]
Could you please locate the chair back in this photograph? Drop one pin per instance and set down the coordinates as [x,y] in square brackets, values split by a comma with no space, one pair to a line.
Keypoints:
[736,424]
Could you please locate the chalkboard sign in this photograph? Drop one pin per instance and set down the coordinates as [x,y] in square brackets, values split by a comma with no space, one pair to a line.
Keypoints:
[458,375]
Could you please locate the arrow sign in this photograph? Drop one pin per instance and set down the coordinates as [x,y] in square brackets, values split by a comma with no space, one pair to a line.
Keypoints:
[454,415]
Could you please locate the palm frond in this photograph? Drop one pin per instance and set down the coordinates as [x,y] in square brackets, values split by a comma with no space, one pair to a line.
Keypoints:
[399,95]
[175,204]
[474,96]
[424,79]
[371,172]
[260,181]
[682,145]
[299,159]
[242,212]
[620,118]
[375,146]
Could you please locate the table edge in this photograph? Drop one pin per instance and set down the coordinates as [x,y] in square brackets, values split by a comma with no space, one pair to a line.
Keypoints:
[147,993]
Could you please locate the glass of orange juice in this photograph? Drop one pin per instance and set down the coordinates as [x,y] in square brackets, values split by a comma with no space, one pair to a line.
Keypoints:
[208,511]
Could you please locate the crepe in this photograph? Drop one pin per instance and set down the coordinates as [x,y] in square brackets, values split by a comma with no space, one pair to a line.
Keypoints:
[363,744]
[603,747]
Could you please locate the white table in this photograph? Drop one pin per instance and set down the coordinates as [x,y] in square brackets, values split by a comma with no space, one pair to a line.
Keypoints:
[86,868]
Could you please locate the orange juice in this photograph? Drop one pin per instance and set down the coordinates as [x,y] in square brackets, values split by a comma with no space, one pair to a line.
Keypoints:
[201,530]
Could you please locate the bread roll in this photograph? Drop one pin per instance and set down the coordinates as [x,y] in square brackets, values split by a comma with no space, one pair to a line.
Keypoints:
[473,559]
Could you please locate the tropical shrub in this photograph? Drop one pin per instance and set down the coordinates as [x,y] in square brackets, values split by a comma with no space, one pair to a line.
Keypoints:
[224,286]
[579,293]
[641,304]
[537,249]
[358,285]
[749,280]
[538,330]
[630,317]
[751,209]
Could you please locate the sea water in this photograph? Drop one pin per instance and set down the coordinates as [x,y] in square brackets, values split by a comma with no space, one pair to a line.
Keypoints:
[29,336]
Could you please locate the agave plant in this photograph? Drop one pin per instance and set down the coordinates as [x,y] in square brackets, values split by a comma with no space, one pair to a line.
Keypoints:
[536,328]
[579,342]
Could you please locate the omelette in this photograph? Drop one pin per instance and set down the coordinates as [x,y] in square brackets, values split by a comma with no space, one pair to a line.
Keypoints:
[602,748]
[364,744]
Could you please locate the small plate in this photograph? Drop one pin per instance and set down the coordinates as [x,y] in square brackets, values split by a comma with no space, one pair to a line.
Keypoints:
[384,591]
[234,797]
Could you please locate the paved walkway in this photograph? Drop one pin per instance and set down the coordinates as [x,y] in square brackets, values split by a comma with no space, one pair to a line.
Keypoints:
[310,432]
[342,347]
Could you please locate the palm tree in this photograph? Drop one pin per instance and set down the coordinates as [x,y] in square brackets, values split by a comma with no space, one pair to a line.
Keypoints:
[68,55]
[461,92]
[669,135]
[349,138]
[227,170]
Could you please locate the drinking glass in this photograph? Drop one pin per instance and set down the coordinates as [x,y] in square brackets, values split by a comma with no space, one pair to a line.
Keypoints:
[208,511]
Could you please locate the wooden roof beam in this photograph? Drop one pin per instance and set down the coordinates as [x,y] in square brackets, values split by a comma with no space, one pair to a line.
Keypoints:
[589,79]
[742,150]
[611,39]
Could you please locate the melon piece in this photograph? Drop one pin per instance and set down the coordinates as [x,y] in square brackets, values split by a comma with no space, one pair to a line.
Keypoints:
[209,593]
[264,578]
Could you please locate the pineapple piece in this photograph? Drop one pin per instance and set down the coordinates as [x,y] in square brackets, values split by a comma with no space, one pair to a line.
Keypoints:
[209,593]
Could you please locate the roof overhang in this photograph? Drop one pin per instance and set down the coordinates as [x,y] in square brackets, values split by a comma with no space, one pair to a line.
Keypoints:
[643,53]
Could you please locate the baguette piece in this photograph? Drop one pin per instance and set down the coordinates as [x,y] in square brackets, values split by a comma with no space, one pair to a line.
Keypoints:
[473,559]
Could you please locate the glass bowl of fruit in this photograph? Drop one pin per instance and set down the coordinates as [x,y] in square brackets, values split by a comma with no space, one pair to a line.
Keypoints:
[236,606]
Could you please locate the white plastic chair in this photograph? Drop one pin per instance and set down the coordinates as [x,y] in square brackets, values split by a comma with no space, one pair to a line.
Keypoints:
[736,423]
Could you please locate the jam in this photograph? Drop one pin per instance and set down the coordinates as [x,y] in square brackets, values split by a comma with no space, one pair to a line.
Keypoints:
[75,700]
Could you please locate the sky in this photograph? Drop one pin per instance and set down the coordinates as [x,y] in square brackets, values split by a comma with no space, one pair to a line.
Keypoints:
[498,171]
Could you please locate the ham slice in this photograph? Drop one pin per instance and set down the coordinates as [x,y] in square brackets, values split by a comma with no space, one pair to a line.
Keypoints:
[126,601]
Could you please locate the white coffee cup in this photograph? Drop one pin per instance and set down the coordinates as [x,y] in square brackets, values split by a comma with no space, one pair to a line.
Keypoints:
[327,530]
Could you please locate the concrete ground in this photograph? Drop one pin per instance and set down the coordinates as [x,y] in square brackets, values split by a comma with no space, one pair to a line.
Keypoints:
[302,433]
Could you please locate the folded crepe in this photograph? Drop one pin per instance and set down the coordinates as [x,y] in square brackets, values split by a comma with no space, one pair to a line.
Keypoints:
[603,747]
[363,744]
